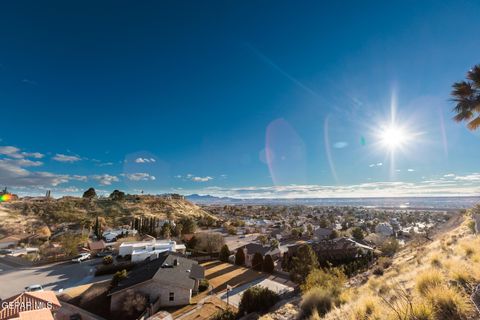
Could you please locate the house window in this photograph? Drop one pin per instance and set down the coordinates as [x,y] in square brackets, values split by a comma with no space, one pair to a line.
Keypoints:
[171,296]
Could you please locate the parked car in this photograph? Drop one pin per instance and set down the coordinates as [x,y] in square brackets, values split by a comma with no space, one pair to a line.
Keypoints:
[82,257]
[104,253]
[34,288]
[6,251]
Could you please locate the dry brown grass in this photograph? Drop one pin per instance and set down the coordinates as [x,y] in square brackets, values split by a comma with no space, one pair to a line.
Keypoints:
[436,279]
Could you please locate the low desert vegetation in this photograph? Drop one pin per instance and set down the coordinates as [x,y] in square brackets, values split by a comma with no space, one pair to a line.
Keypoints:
[432,281]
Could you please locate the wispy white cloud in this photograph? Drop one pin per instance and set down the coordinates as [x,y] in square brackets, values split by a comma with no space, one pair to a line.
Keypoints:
[145,160]
[378,164]
[66,158]
[436,187]
[105,179]
[468,177]
[140,176]
[16,153]
[202,179]
[410,170]
[195,178]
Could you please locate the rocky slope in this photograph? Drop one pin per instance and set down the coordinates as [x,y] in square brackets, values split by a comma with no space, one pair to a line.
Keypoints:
[27,215]
[432,280]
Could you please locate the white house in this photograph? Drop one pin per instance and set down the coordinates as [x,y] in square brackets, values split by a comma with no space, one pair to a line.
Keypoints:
[113,234]
[149,249]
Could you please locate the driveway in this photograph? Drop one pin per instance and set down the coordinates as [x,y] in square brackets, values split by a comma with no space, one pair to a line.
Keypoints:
[57,276]
[270,282]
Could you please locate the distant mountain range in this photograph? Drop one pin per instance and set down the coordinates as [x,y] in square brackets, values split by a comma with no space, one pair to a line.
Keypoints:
[400,202]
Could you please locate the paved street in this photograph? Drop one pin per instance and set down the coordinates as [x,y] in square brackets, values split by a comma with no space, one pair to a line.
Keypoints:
[58,276]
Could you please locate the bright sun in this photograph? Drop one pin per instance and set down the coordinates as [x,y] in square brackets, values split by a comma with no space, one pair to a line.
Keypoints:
[393,137]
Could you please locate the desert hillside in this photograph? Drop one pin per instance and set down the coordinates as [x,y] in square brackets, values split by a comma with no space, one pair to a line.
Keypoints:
[26,215]
[432,280]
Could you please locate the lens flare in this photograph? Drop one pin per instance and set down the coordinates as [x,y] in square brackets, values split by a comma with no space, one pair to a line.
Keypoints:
[5,197]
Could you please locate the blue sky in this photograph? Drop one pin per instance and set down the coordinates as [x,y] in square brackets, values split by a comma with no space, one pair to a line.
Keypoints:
[243,99]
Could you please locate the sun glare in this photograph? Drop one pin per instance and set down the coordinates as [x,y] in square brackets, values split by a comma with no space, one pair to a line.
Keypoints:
[393,137]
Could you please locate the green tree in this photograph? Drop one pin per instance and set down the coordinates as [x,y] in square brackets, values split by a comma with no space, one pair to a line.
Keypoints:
[466,95]
[240,257]
[224,253]
[268,265]
[263,239]
[178,230]
[357,234]
[257,261]
[97,230]
[189,225]
[333,235]
[274,244]
[166,231]
[70,243]
[117,195]
[257,299]
[303,262]
[90,194]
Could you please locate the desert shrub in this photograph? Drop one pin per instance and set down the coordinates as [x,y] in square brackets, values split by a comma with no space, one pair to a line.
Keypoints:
[471,226]
[257,299]
[366,309]
[225,315]
[378,271]
[331,280]
[317,300]
[385,262]
[435,262]
[420,311]
[118,276]
[448,303]
[428,280]
[203,285]
[389,247]
[107,260]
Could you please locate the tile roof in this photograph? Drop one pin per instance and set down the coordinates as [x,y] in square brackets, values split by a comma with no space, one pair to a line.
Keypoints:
[27,301]
[163,270]
[40,314]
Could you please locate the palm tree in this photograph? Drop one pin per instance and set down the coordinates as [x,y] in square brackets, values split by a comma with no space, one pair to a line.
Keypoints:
[466,95]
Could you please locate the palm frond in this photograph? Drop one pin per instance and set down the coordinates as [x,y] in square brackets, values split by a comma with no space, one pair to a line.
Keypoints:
[462,116]
[474,124]
[474,76]
[462,90]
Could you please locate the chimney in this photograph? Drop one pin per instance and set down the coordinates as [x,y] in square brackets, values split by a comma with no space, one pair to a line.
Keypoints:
[175,262]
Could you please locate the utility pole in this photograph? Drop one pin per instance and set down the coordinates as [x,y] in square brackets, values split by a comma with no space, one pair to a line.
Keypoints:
[229,288]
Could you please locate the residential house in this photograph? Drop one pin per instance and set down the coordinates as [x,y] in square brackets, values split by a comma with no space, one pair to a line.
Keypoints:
[140,251]
[39,305]
[340,249]
[322,233]
[167,281]
[384,228]
[252,248]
